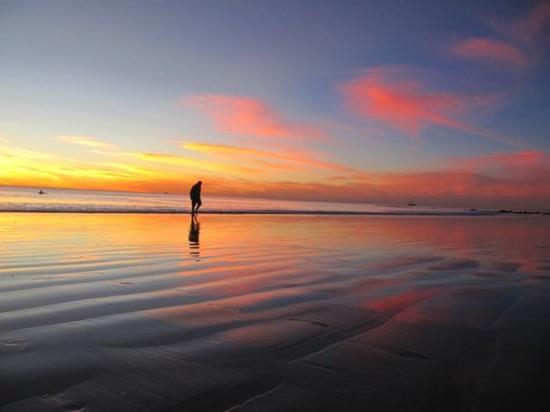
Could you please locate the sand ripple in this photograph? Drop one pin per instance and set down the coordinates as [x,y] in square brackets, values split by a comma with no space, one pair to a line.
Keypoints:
[273,313]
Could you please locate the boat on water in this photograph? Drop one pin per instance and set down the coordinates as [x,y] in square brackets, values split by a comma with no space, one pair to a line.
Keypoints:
[411,203]
[41,192]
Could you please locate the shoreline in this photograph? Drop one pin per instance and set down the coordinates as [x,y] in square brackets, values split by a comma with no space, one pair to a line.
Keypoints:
[278,212]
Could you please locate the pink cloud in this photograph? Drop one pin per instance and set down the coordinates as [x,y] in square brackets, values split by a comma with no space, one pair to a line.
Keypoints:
[529,165]
[244,116]
[491,50]
[524,158]
[408,105]
[528,27]
[429,188]
[499,180]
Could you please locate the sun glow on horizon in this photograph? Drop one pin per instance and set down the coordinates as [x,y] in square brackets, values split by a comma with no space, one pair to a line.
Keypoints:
[456,122]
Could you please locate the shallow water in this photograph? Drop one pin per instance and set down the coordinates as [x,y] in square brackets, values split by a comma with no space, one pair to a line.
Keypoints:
[266,312]
[24,199]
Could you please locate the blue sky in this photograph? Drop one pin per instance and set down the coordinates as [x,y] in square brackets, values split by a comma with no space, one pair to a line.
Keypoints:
[465,80]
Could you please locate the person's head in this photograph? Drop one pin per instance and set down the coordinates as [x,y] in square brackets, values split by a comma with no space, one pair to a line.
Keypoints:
[199,183]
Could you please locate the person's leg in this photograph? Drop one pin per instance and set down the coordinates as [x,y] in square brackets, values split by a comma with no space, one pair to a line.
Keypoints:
[199,203]
[193,204]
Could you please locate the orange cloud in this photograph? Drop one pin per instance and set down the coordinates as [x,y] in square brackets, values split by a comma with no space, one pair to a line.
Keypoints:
[524,158]
[86,141]
[501,180]
[498,180]
[24,167]
[245,116]
[491,50]
[408,106]
[289,155]
[495,180]
[194,164]
[530,165]
[437,188]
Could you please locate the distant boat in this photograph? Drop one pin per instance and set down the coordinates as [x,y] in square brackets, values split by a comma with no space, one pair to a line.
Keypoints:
[42,192]
[411,203]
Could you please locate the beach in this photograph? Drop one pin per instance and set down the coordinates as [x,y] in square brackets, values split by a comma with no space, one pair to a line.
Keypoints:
[153,312]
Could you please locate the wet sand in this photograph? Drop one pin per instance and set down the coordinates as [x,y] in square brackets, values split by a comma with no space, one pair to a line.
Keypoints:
[103,312]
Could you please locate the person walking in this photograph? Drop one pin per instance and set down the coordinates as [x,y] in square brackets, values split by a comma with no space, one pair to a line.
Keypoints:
[195,195]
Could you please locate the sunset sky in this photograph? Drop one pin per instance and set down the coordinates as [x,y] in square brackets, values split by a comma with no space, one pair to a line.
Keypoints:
[446,102]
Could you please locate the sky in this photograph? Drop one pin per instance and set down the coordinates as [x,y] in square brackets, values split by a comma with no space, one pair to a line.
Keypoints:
[446,103]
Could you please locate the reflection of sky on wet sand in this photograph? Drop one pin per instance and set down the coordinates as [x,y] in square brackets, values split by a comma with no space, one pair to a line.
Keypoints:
[259,289]
[359,260]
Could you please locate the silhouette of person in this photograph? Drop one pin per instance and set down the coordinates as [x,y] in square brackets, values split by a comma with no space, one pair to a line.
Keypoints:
[194,229]
[195,195]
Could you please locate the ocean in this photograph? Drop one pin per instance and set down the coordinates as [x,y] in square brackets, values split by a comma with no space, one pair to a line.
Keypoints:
[27,199]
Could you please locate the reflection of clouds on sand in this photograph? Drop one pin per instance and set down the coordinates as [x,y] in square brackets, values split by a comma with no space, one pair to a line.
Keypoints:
[194,232]
[285,305]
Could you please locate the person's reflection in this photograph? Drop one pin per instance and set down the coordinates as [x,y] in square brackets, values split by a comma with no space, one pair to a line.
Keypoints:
[194,229]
